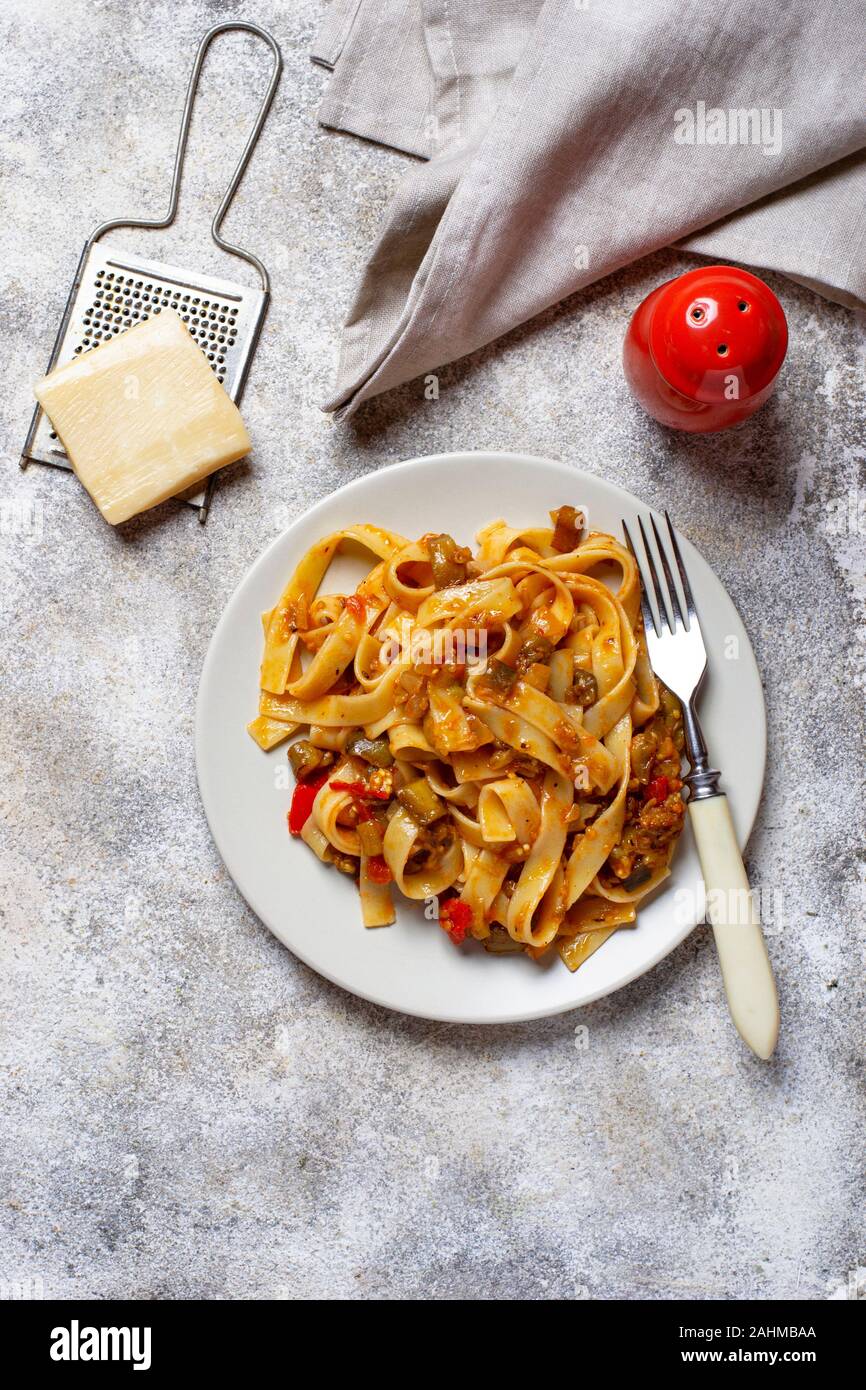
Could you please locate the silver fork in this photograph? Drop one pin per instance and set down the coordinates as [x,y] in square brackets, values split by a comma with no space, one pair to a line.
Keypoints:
[678,656]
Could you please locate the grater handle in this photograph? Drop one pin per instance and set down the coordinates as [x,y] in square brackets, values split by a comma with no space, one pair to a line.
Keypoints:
[183,137]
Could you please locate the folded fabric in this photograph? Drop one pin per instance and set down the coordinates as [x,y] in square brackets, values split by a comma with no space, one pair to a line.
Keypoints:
[568,138]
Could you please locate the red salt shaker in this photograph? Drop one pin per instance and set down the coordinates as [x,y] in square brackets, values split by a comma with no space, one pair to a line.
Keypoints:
[703,351]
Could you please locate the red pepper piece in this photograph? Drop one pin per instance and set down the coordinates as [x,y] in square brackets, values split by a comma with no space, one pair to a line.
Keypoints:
[302,802]
[377,869]
[356,605]
[362,790]
[657,789]
[456,918]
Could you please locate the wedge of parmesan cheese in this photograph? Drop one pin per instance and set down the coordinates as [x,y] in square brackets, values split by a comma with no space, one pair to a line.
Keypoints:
[143,417]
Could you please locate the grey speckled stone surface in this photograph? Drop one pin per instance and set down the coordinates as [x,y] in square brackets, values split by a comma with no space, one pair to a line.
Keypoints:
[189,1111]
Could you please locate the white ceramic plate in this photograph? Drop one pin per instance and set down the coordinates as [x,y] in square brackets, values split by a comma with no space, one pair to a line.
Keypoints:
[413,966]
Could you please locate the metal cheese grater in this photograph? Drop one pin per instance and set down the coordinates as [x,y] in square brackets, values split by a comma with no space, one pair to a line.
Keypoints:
[112,290]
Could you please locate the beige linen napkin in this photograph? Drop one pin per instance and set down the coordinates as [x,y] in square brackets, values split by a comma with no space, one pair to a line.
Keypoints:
[570,137]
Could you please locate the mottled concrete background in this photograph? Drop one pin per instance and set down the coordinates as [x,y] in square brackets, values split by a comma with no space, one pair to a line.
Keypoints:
[188,1110]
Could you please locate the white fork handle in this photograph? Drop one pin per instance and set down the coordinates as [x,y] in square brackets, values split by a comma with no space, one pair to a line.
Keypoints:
[746,969]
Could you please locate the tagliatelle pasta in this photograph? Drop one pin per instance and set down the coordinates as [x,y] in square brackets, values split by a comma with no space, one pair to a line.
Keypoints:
[480,731]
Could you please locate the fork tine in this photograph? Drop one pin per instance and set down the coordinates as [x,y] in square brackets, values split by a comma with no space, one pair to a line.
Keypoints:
[664,618]
[672,588]
[645,605]
[684,578]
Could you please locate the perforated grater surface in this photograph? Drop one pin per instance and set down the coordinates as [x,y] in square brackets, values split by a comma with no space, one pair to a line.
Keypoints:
[113,290]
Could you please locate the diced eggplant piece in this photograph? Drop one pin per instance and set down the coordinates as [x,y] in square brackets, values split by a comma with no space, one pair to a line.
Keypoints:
[584,690]
[644,747]
[535,650]
[421,802]
[640,874]
[524,765]
[501,756]
[373,750]
[448,561]
[567,528]
[306,760]
[346,863]
[498,677]
[371,835]
[499,943]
